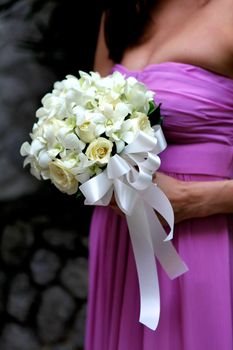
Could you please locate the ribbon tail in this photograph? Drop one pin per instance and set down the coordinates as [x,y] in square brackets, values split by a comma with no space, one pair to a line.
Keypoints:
[157,199]
[164,251]
[142,244]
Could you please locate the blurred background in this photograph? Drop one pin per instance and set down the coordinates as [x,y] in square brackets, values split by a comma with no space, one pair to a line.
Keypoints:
[43,233]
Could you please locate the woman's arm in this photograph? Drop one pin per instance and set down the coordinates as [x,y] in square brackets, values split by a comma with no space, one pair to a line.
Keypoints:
[102,62]
[194,199]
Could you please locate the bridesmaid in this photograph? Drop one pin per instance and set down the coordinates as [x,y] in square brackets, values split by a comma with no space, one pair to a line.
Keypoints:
[183,50]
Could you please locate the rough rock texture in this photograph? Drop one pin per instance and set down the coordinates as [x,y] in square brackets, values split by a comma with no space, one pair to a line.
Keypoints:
[15,337]
[20,298]
[74,277]
[44,266]
[22,84]
[43,233]
[43,278]
[57,307]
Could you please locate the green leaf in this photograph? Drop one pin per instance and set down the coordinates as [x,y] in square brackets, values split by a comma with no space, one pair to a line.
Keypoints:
[79,195]
[151,107]
[155,117]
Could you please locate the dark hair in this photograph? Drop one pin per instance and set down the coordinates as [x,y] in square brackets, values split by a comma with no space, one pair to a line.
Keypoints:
[124,24]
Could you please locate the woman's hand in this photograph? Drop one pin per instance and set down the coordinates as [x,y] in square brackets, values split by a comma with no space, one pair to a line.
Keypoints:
[192,199]
[176,191]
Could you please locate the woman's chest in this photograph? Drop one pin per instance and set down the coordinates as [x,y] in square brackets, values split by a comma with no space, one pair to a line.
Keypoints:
[202,38]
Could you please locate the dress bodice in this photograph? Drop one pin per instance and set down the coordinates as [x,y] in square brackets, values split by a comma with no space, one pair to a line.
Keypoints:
[197,105]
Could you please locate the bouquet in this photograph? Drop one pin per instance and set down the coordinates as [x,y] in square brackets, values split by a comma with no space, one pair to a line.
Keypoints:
[94,136]
[82,124]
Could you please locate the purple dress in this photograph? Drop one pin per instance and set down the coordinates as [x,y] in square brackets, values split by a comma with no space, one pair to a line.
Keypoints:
[196,308]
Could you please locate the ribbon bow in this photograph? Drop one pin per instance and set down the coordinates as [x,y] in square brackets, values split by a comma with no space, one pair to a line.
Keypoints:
[129,175]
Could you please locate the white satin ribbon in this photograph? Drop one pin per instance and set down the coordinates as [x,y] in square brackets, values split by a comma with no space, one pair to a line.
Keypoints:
[129,175]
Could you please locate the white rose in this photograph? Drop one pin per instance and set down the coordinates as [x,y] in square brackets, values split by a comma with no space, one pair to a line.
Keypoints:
[86,132]
[62,177]
[100,150]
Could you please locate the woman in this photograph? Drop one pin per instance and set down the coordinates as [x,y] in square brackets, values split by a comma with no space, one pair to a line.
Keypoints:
[183,50]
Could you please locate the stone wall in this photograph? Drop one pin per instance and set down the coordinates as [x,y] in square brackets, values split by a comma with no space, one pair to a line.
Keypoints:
[44,272]
[43,233]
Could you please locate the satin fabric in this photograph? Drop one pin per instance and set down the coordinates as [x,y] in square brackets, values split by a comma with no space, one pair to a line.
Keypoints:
[196,308]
